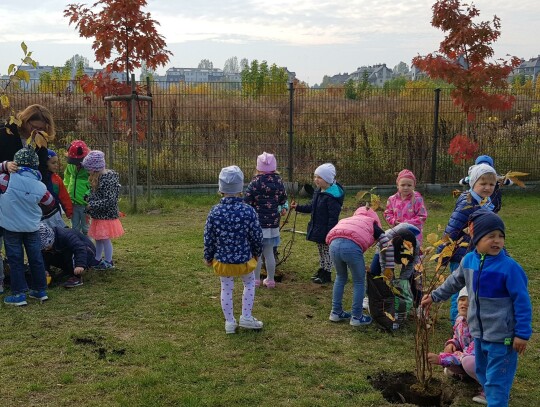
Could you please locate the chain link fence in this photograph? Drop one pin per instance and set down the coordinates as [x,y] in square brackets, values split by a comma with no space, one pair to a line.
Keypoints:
[199,128]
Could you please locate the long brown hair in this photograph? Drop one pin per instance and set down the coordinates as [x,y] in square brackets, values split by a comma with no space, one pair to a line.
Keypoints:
[39,112]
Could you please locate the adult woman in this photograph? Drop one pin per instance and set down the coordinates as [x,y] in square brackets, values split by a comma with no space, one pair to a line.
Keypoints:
[37,125]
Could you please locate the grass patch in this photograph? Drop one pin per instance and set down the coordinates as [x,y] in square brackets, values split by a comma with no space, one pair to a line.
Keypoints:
[151,332]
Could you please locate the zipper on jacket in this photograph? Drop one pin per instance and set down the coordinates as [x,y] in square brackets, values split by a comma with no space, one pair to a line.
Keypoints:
[476,298]
[75,185]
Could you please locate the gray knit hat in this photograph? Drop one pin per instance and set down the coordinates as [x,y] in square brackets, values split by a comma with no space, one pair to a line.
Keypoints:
[46,236]
[94,161]
[26,157]
[231,180]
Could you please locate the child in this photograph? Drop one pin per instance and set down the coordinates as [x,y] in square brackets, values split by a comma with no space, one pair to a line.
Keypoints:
[76,181]
[458,355]
[325,208]
[232,243]
[23,199]
[265,193]
[60,194]
[348,241]
[500,312]
[482,181]
[496,196]
[407,205]
[103,207]
[69,250]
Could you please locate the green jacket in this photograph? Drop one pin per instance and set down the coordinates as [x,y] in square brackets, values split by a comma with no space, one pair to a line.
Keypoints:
[77,184]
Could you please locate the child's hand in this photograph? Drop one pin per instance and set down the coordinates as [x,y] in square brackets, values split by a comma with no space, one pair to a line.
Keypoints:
[433,358]
[12,166]
[283,212]
[78,271]
[450,348]
[426,301]
[520,345]
[294,205]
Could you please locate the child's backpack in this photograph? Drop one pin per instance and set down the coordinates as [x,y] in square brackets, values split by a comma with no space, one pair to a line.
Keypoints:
[387,309]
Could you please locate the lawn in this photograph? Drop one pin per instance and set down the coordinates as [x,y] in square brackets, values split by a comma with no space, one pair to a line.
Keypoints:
[151,332]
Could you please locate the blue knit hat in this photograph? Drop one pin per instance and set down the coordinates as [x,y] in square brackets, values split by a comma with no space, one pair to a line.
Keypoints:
[51,154]
[484,159]
[483,222]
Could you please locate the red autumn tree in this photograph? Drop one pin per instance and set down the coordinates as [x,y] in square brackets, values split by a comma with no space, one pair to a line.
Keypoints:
[463,58]
[124,35]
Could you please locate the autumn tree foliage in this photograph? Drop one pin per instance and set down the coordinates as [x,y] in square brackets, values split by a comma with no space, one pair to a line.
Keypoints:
[463,58]
[124,35]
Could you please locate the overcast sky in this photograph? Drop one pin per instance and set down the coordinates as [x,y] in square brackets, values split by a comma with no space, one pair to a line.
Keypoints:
[310,37]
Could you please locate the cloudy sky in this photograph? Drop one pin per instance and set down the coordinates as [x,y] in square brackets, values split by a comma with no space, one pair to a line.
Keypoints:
[310,37]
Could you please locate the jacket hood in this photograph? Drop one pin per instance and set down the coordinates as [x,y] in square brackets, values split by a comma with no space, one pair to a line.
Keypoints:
[368,212]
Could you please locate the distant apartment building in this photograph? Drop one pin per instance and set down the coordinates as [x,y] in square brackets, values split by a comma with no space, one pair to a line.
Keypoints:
[529,69]
[376,75]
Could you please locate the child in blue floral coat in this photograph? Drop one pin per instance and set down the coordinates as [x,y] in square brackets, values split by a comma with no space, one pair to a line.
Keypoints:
[232,245]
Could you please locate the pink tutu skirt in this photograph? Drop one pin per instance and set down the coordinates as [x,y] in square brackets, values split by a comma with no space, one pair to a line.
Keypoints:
[101,229]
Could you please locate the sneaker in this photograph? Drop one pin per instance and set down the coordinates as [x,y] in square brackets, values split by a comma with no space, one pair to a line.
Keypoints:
[269,283]
[480,399]
[250,323]
[363,320]
[230,327]
[38,295]
[342,316]
[365,304]
[317,274]
[73,281]
[257,282]
[16,300]
[104,265]
[324,278]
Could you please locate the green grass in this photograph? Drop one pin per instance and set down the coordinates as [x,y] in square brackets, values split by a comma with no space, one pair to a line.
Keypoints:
[151,332]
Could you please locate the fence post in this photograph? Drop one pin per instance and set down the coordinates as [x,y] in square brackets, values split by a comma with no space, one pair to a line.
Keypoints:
[291,132]
[133,101]
[110,135]
[149,141]
[435,136]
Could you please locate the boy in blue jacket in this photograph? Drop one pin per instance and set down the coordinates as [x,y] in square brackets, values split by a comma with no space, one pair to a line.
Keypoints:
[68,250]
[500,312]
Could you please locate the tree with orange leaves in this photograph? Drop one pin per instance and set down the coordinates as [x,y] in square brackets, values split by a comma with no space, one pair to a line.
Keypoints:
[122,28]
[462,59]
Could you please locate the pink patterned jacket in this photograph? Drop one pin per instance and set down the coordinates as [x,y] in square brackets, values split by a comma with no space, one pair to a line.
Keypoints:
[411,210]
[463,342]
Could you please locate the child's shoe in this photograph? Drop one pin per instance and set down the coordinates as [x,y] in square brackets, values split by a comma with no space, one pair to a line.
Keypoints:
[363,320]
[38,295]
[269,283]
[250,322]
[73,281]
[317,274]
[257,282]
[230,327]
[324,278]
[17,300]
[104,265]
[342,316]
[480,399]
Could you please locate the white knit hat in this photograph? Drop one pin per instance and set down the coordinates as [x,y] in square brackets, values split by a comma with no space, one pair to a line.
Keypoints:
[327,172]
[463,293]
[231,180]
[476,171]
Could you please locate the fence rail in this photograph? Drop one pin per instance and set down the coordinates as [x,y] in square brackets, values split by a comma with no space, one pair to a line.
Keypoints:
[197,129]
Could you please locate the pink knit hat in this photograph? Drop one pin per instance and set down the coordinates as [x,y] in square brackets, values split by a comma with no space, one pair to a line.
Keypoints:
[406,174]
[266,162]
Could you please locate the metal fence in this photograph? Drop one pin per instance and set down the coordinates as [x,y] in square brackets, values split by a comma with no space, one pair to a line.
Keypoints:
[199,128]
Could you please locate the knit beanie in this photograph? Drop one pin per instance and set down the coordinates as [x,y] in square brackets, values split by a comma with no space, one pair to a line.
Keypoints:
[26,157]
[476,171]
[46,236]
[231,180]
[76,151]
[94,161]
[483,222]
[266,162]
[463,293]
[484,159]
[51,154]
[327,172]
[406,174]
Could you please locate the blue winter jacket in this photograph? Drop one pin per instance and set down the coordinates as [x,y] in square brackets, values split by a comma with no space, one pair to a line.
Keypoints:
[499,303]
[265,193]
[325,208]
[75,243]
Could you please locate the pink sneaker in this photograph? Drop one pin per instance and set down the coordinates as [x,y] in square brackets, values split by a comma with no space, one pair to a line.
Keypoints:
[257,282]
[269,283]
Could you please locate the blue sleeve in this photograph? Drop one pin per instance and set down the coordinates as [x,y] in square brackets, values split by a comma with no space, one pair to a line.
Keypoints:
[209,238]
[453,283]
[516,284]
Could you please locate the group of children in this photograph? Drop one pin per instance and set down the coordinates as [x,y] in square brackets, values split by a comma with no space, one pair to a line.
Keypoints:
[31,218]
[487,337]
